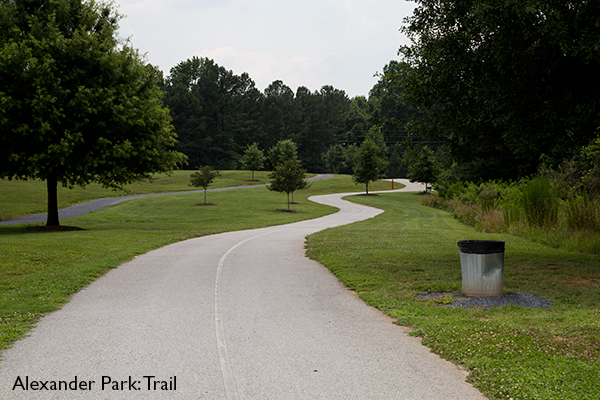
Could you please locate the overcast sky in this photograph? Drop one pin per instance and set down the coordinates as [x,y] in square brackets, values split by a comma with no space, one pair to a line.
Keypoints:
[309,43]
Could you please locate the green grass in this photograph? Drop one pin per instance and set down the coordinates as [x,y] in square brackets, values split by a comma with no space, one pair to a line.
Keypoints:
[29,197]
[510,352]
[40,271]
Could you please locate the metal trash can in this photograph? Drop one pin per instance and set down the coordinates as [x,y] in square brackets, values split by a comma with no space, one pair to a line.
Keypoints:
[482,267]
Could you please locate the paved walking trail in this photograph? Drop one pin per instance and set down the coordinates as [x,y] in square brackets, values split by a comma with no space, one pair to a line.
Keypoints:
[238,315]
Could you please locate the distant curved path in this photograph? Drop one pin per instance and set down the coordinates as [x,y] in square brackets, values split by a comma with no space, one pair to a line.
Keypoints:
[77,210]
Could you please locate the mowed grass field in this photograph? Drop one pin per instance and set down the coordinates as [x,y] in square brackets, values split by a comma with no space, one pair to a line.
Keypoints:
[40,271]
[511,352]
[29,197]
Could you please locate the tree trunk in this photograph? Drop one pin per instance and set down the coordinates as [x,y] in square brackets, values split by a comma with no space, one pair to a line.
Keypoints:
[367,186]
[288,200]
[204,195]
[52,188]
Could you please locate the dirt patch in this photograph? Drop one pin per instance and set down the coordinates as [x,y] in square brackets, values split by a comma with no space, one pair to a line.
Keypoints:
[286,210]
[206,204]
[44,228]
[579,281]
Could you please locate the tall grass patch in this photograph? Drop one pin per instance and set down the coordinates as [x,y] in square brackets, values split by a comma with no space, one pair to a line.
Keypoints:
[532,208]
[540,202]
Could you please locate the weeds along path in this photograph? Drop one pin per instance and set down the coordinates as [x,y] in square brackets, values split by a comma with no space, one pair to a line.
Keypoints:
[238,315]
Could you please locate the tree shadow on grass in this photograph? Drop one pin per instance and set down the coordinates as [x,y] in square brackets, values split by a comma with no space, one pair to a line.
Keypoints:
[44,228]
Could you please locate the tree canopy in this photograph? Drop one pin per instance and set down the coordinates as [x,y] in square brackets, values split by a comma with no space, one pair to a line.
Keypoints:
[284,150]
[253,158]
[423,166]
[369,165]
[77,105]
[217,114]
[287,177]
[505,82]
[213,111]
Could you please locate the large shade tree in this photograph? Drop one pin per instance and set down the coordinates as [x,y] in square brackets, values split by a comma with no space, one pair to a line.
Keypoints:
[504,81]
[77,105]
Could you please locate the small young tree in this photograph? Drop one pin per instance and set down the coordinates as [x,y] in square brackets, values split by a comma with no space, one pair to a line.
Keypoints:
[368,165]
[287,178]
[253,159]
[203,178]
[284,150]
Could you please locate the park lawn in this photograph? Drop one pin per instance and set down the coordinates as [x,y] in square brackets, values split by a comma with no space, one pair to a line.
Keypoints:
[40,271]
[511,352]
[29,197]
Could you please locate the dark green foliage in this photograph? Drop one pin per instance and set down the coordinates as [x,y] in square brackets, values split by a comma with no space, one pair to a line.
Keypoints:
[278,114]
[505,82]
[283,151]
[335,159]
[422,165]
[580,175]
[396,168]
[76,104]
[369,165]
[213,111]
[389,110]
[321,118]
[287,178]
[218,114]
[358,119]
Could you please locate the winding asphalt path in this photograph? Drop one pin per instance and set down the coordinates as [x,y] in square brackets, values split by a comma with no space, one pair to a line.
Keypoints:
[238,315]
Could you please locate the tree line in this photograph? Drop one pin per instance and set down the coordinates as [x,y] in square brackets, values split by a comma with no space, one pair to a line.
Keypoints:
[218,114]
[510,87]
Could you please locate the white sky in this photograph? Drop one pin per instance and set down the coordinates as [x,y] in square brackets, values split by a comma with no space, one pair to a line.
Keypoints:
[309,43]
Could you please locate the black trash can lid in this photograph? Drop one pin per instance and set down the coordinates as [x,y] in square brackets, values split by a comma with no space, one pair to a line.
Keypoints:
[481,246]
